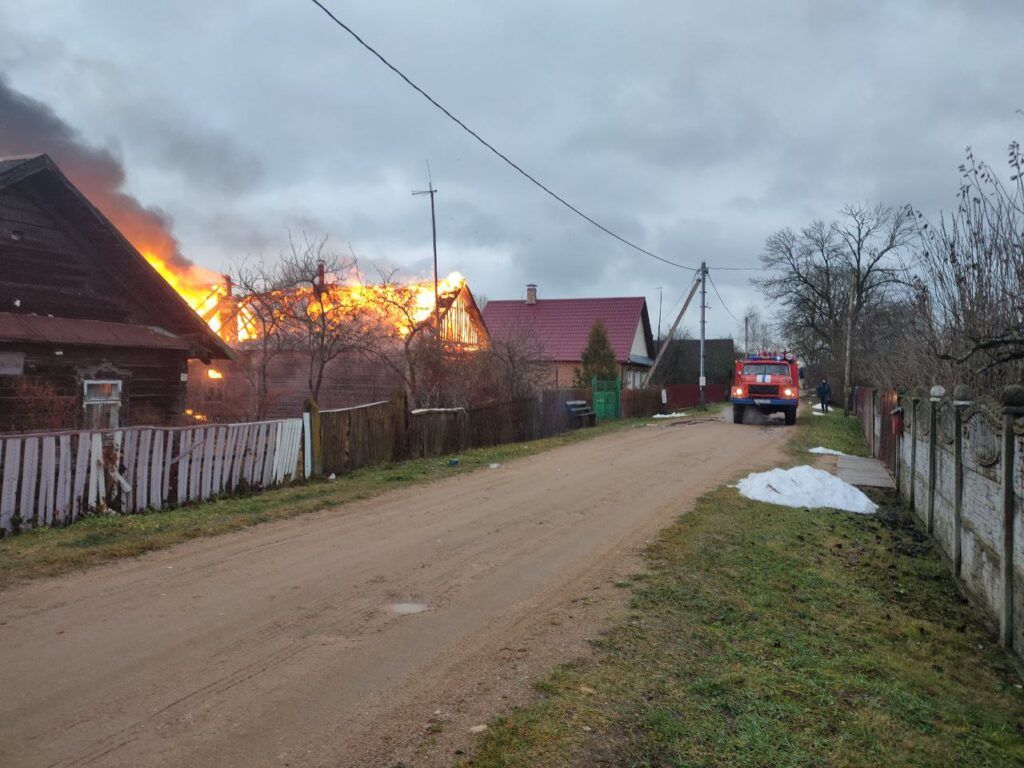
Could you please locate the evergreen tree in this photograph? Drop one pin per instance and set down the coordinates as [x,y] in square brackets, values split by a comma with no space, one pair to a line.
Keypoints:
[598,359]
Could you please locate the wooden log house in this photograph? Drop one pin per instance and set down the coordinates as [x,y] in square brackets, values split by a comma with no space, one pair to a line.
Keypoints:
[90,334]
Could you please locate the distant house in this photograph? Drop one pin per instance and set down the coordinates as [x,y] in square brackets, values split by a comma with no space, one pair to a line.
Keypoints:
[558,329]
[681,362]
[90,334]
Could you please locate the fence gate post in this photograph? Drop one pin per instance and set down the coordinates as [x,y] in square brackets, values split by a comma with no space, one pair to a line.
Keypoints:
[871,422]
[962,397]
[897,404]
[399,417]
[314,443]
[934,397]
[913,450]
[1013,407]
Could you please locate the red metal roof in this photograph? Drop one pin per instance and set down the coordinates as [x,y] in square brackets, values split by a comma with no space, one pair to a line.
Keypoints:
[561,326]
[39,329]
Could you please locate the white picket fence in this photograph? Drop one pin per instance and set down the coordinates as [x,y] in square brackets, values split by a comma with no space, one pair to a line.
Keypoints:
[56,477]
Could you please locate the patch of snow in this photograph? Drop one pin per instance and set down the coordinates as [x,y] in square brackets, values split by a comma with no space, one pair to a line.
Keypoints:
[676,415]
[816,412]
[826,451]
[805,487]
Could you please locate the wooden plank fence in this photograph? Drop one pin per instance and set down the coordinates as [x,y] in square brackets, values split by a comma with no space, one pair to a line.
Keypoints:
[351,438]
[553,414]
[55,478]
[640,403]
[441,431]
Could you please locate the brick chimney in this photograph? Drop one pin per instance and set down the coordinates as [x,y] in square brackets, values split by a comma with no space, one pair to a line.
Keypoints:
[531,293]
[227,311]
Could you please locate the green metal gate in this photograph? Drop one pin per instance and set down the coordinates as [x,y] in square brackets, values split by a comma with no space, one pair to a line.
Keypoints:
[607,396]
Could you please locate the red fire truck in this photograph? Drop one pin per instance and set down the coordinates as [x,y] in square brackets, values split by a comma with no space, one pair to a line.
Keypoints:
[767,381]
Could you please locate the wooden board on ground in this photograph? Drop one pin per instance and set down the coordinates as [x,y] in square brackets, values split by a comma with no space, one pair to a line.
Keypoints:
[861,471]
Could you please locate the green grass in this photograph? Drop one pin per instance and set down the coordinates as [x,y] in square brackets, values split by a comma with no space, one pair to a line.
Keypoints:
[93,540]
[830,430]
[770,636]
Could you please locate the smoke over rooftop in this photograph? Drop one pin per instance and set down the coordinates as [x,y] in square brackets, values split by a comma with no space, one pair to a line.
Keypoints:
[29,127]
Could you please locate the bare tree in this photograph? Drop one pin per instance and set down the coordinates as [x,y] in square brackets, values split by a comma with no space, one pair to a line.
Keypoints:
[971,287]
[829,275]
[261,314]
[398,330]
[516,362]
[322,318]
[803,278]
[758,332]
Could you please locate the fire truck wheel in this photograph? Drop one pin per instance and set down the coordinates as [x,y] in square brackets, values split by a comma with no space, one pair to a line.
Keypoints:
[737,414]
[790,416]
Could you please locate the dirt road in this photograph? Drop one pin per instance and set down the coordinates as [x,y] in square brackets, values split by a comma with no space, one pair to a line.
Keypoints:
[303,643]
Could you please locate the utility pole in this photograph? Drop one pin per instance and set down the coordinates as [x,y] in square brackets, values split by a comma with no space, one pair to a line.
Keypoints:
[746,334]
[660,297]
[703,323]
[671,332]
[849,342]
[433,229]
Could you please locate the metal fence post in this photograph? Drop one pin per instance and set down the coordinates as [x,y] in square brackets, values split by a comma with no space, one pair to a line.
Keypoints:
[1013,407]
[913,449]
[935,397]
[962,397]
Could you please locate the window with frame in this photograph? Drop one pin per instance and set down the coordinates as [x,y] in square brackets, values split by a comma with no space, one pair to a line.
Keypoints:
[101,403]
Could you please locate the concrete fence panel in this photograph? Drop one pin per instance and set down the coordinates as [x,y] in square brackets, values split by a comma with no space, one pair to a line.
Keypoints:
[960,466]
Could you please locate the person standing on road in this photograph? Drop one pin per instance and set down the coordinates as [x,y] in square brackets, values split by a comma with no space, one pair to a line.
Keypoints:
[824,394]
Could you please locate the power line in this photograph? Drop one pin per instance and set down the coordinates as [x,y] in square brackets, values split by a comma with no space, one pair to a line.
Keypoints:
[489,146]
[726,308]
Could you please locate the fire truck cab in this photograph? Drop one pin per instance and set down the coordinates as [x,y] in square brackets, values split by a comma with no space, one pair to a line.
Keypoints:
[767,381]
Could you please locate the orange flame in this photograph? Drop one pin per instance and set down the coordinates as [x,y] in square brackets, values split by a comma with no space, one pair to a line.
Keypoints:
[202,288]
[403,307]
[213,373]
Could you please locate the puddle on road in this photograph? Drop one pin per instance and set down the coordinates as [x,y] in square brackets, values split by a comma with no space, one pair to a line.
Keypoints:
[404,609]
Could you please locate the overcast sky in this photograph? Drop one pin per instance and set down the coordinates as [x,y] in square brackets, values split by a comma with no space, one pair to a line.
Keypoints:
[693,129]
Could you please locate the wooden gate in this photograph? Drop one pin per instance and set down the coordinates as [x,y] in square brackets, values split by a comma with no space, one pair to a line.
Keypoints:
[607,398]
[888,443]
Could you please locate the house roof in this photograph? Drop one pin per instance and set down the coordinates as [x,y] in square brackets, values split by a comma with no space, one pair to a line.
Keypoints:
[126,270]
[561,326]
[39,329]
[7,163]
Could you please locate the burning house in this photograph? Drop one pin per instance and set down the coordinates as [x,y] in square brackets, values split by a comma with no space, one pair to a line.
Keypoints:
[390,320]
[104,324]
[90,333]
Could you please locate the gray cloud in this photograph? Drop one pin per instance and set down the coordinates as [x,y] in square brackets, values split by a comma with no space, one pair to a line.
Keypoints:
[28,126]
[696,129]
